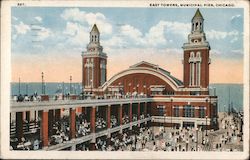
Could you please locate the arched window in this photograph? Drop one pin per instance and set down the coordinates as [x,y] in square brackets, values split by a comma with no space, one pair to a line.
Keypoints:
[196,25]
[95,38]
[191,75]
[198,54]
[198,68]
[192,54]
[88,72]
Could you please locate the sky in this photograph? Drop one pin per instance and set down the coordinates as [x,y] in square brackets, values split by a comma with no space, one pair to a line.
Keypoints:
[52,39]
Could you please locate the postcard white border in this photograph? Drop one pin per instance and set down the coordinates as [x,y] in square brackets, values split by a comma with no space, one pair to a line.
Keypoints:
[6,78]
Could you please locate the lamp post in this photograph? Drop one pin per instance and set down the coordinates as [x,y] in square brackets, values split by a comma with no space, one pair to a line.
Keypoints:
[202,130]
[129,85]
[63,90]
[171,112]
[91,87]
[19,86]
[186,145]
[206,113]
[44,90]
[27,89]
[144,86]
[197,137]
[164,122]
[42,84]
[206,125]
[135,140]
[137,88]
[119,87]
[70,80]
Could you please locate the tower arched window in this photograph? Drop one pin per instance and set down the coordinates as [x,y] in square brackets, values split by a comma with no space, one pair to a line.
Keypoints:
[191,75]
[95,38]
[198,68]
[196,25]
[198,54]
[192,54]
[92,38]
[88,72]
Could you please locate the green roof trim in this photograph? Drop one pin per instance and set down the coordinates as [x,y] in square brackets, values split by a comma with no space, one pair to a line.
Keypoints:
[177,81]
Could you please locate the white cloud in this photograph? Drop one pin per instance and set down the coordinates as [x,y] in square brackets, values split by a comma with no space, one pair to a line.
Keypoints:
[41,33]
[215,52]
[44,33]
[131,33]
[236,16]
[182,29]
[22,28]
[156,35]
[88,19]
[79,24]
[231,52]
[115,41]
[76,34]
[39,19]
[234,40]
[129,36]
[14,36]
[237,51]
[71,29]
[13,17]
[213,34]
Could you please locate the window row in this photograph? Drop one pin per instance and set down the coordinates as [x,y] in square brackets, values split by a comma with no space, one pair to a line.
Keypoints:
[188,111]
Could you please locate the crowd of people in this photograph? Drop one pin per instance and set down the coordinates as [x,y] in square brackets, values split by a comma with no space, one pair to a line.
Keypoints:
[125,119]
[114,121]
[100,123]
[134,117]
[25,144]
[25,98]
[60,131]
[230,137]
[83,128]
[82,125]
[67,96]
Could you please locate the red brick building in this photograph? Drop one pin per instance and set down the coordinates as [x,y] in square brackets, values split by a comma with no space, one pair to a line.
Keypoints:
[175,103]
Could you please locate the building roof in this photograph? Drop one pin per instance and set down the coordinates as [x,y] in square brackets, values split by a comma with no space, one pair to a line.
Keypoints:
[198,14]
[176,80]
[145,64]
[156,67]
[95,29]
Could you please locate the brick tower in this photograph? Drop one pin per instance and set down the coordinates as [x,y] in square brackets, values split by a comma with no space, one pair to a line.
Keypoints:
[196,58]
[94,62]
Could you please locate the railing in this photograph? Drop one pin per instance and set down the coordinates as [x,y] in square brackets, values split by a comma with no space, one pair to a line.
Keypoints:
[162,119]
[18,107]
[28,128]
[94,135]
[52,98]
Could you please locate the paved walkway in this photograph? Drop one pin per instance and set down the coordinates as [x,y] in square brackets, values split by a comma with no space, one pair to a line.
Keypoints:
[225,139]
